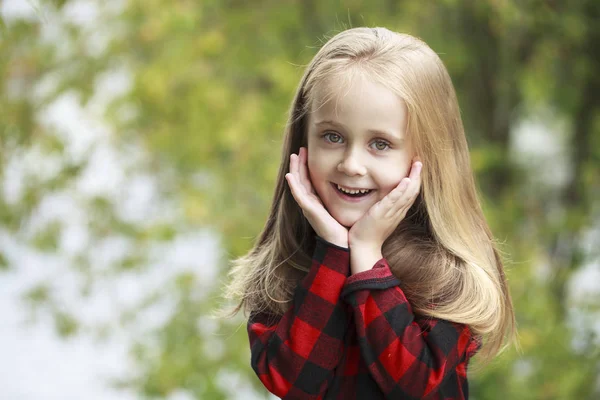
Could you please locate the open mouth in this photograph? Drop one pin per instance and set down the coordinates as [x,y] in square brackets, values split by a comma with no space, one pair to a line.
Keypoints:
[352,193]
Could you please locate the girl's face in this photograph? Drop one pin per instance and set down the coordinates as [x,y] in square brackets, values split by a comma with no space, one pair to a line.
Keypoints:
[357,140]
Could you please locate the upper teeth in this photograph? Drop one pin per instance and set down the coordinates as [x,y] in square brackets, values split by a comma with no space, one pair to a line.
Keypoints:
[351,191]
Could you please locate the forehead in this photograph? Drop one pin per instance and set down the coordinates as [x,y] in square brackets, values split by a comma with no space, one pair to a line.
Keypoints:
[331,89]
[359,102]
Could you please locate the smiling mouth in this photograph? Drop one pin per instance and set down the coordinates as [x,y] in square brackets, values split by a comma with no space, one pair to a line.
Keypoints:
[351,192]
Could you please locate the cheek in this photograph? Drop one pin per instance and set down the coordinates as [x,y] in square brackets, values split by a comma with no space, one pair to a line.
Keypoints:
[315,166]
[389,182]
[315,175]
[312,168]
[385,190]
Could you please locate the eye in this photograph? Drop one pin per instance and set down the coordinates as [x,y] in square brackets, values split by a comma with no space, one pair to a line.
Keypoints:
[332,137]
[381,145]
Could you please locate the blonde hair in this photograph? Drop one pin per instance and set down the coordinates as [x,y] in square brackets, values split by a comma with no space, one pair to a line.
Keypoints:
[443,251]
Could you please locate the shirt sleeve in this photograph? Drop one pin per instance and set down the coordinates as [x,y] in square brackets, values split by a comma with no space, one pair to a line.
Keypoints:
[407,359]
[295,355]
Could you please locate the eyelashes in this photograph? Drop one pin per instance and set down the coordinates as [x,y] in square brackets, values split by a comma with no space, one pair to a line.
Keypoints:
[328,136]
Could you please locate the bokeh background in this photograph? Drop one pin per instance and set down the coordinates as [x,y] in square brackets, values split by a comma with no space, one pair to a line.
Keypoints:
[139,142]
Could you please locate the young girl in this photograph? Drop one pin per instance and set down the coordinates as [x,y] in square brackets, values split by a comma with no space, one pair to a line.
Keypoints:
[376,275]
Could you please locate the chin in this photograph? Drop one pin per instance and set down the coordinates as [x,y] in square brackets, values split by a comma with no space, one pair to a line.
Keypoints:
[347,221]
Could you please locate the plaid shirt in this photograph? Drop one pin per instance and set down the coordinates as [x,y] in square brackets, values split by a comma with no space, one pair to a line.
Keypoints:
[356,337]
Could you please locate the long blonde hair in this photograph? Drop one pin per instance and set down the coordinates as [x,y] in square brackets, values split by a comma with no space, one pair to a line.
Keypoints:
[443,252]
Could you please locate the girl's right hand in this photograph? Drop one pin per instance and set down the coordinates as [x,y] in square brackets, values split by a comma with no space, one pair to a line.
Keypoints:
[312,207]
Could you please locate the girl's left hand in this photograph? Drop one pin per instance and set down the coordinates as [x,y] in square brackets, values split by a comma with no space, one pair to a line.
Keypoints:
[373,228]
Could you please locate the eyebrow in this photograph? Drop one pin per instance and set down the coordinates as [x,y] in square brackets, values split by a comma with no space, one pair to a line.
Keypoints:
[374,132]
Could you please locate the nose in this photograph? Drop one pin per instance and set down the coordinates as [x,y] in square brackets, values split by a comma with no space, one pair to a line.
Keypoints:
[351,165]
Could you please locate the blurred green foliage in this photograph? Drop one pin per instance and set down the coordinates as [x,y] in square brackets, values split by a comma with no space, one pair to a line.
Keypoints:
[211,82]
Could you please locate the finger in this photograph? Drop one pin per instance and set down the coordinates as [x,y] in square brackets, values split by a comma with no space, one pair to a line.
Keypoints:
[304,200]
[415,175]
[304,169]
[415,171]
[402,196]
[396,194]
[407,185]
[295,170]
[291,171]
[392,201]
[398,211]
[398,199]
[294,188]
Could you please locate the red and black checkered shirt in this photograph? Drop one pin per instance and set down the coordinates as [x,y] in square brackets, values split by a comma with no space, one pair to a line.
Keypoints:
[356,337]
